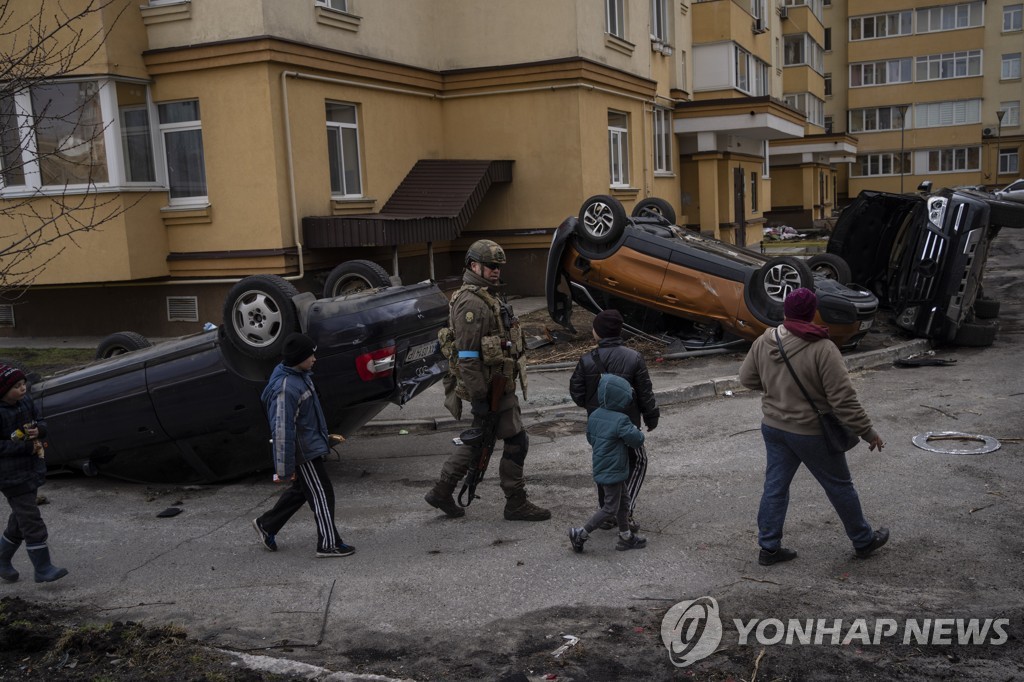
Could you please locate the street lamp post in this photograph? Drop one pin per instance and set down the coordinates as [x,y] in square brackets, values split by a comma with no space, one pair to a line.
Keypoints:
[903,124]
[999,136]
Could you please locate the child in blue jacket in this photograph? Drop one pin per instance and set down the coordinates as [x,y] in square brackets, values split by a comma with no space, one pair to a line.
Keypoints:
[610,432]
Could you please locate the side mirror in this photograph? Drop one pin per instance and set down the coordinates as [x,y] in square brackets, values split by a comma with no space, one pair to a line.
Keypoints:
[925,187]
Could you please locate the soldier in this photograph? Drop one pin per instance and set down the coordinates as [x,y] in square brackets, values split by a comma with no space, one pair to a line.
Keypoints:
[485,339]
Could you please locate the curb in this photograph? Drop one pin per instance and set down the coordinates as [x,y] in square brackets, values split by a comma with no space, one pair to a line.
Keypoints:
[701,390]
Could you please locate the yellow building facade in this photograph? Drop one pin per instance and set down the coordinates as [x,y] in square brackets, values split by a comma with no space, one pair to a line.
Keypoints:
[209,140]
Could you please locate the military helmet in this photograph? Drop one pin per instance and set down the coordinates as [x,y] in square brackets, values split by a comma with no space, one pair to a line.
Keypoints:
[485,251]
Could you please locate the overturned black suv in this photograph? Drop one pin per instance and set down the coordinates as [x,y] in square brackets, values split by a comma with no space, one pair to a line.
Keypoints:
[924,257]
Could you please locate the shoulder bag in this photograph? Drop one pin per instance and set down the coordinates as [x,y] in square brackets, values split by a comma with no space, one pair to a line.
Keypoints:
[838,438]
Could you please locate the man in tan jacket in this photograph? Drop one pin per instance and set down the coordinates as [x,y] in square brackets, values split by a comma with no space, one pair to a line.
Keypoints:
[791,430]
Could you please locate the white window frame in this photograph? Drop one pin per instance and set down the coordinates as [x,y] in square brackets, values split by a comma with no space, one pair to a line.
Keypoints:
[662,140]
[1012,116]
[894,70]
[111,136]
[750,74]
[950,17]
[660,25]
[811,54]
[887,164]
[336,5]
[344,191]
[879,26]
[950,113]
[618,149]
[1009,67]
[181,127]
[875,120]
[1013,15]
[615,18]
[1009,161]
[812,107]
[932,67]
[957,158]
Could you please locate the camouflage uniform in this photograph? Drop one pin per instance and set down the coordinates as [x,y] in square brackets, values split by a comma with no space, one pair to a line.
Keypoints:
[487,340]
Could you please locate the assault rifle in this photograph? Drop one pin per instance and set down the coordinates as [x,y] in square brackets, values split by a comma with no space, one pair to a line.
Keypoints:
[483,438]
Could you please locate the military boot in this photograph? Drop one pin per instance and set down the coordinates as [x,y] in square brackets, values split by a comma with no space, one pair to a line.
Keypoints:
[518,508]
[440,497]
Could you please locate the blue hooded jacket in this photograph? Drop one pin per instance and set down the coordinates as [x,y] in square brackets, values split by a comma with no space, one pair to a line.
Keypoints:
[297,423]
[611,432]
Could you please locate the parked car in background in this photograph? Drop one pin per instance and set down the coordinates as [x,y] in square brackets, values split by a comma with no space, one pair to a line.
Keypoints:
[189,410]
[924,256]
[1012,192]
[667,280]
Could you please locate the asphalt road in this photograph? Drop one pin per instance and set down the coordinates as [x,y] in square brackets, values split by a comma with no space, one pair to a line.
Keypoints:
[426,597]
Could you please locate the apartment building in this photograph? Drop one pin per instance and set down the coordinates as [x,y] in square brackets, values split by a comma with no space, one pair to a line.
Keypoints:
[213,139]
[931,91]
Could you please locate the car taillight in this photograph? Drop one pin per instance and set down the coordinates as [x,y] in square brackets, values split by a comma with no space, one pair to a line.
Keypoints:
[376,364]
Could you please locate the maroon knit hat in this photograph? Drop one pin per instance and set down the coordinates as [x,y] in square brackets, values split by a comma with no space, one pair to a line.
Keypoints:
[8,377]
[800,305]
[608,323]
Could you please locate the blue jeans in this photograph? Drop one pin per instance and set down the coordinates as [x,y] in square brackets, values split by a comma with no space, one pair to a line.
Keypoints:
[786,451]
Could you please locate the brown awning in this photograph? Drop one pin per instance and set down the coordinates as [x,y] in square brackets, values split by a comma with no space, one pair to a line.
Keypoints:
[433,203]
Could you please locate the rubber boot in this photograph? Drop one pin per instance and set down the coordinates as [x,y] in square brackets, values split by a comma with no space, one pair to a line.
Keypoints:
[440,497]
[518,508]
[7,550]
[45,571]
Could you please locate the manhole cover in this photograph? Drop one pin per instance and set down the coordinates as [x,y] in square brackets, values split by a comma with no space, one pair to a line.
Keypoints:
[955,443]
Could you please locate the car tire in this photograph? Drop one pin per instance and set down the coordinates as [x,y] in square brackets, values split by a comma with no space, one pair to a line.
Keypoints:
[259,314]
[120,343]
[602,220]
[653,207]
[353,276]
[776,279]
[830,266]
[976,334]
[986,308]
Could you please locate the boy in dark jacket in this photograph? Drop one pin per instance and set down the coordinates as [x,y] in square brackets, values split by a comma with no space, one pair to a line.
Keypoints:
[612,357]
[611,432]
[22,471]
[300,441]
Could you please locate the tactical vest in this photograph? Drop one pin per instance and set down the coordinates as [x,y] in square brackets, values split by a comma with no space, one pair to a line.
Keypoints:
[503,352]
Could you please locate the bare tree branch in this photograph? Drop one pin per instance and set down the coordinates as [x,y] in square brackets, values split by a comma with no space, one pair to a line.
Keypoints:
[42,43]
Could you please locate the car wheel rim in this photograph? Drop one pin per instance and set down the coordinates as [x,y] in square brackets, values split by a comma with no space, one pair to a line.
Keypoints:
[350,285]
[597,220]
[780,280]
[257,319]
[650,212]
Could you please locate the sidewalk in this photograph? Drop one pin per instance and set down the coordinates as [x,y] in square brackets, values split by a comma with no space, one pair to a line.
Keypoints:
[675,381]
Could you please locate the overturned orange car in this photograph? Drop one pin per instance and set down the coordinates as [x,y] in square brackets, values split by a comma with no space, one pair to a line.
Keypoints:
[668,281]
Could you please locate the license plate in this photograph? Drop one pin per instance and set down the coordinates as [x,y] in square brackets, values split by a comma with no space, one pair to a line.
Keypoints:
[421,351]
[866,324]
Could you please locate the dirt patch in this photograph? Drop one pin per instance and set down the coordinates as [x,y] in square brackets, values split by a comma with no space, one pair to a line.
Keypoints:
[54,644]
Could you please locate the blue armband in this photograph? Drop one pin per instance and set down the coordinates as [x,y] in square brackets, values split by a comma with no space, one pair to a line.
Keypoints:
[469,354]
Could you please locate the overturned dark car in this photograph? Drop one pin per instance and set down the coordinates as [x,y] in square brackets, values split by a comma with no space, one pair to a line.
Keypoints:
[189,410]
[670,281]
[924,256]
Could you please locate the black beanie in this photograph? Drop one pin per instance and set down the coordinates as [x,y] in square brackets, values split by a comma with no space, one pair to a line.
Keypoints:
[297,347]
[8,377]
[608,323]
